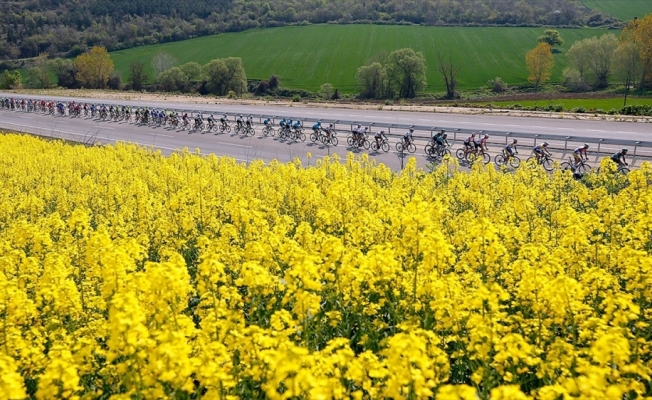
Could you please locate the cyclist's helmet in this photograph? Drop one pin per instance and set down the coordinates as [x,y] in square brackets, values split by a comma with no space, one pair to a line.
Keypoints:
[514,141]
[382,132]
[486,136]
[624,150]
[545,143]
[443,131]
[411,129]
[444,135]
[331,125]
[586,145]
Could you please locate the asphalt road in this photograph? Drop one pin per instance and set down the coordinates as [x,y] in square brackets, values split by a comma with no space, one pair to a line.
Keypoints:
[248,148]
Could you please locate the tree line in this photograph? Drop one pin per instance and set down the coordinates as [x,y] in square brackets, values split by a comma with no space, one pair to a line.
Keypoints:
[595,61]
[69,27]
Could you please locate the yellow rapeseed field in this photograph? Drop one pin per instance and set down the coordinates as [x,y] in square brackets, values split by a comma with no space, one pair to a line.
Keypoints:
[125,274]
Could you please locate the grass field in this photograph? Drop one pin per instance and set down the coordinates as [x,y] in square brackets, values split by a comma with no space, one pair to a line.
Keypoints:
[305,57]
[588,104]
[624,10]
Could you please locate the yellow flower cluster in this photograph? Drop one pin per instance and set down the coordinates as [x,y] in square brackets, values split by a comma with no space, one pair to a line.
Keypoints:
[126,274]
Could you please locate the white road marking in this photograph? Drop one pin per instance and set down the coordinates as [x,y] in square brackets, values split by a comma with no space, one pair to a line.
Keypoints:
[159,134]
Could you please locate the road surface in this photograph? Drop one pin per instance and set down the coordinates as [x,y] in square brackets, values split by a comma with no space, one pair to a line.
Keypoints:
[246,149]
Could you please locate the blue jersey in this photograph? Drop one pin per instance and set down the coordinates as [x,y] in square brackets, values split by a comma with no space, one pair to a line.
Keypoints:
[316,126]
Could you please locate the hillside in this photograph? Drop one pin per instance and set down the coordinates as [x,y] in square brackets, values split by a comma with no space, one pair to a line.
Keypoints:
[305,57]
[68,27]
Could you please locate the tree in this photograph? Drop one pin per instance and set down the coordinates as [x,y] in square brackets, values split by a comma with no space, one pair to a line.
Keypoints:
[38,76]
[192,70]
[173,79]
[163,61]
[539,62]
[94,68]
[65,72]
[639,32]
[552,37]
[449,71]
[371,80]
[273,82]
[236,76]
[627,64]
[579,59]
[215,77]
[11,80]
[326,91]
[137,75]
[594,55]
[406,71]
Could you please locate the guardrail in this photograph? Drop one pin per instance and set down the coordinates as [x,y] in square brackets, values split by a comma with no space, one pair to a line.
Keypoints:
[604,145]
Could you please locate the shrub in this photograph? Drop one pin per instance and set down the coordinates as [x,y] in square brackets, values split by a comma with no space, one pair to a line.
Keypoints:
[296,98]
[497,85]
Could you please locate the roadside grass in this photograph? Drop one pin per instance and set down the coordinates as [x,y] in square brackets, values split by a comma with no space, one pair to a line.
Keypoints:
[570,104]
[305,57]
[624,10]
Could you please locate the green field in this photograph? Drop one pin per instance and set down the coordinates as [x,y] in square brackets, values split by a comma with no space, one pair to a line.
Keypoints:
[588,104]
[624,10]
[305,57]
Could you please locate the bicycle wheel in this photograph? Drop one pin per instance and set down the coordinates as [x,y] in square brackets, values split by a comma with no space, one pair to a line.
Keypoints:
[499,160]
[547,164]
[429,150]
[251,131]
[584,168]
[514,161]
[444,153]
[333,140]
[385,147]
[623,170]
[301,136]
[460,154]
[566,166]
[486,158]
[399,147]
[313,137]
[366,144]
[349,140]
[412,148]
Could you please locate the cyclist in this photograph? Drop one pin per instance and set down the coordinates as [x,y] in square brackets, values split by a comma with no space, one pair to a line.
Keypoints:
[407,138]
[357,133]
[619,158]
[239,122]
[468,142]
[211,121]
[267,122]
[250,121]
[329,131]
[541,150]
[441,139]
[198,121]
[297,125]
[510,150]
[579,154]
[224,120]
[480,143]
[316,127]
[185,119]
[379,138]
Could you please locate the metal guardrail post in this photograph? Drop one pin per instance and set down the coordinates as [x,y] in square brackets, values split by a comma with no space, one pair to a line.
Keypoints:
[635,146]
[566,143]
[599,143]
[535,140]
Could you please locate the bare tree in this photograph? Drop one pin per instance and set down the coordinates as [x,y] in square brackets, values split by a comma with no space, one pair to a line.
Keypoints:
[163,61]
[449,71]
[137,75]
